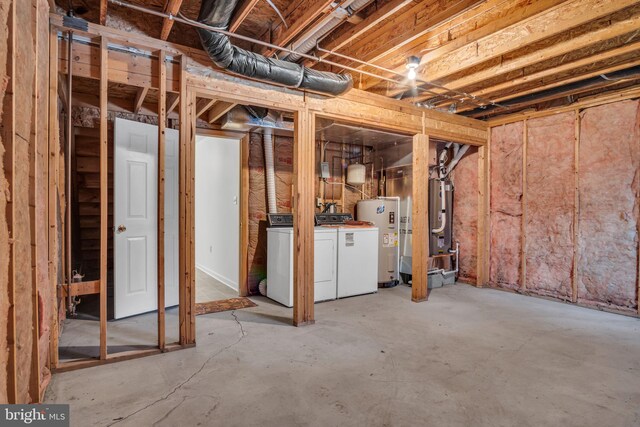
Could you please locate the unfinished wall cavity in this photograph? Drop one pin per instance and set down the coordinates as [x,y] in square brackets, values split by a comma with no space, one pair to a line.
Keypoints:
[608,177]
[465,213]
[549,205]
[506,205]
[585,252]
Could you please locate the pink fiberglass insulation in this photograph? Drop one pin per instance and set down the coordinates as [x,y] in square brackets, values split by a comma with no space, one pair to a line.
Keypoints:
[506,205]
[549,205]
[608,186]
[465,213]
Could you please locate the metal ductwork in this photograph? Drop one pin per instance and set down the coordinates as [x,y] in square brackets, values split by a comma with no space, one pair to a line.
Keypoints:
[245,119]
[218,13]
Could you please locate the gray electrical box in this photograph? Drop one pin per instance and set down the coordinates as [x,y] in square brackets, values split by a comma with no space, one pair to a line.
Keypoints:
[440,243]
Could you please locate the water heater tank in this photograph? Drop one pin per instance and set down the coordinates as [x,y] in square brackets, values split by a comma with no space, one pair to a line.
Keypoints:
[356,174]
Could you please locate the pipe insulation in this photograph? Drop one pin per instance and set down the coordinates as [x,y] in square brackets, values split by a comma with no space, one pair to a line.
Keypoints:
[267,142]
[218,13]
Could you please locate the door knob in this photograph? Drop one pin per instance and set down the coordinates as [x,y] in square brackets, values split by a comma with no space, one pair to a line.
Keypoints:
[121,228]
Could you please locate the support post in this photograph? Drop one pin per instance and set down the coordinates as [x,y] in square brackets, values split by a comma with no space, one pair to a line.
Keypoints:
[303,222]
[420,217]
[482,265]
[162,120]
[104,201]
[576,208]
[523,223]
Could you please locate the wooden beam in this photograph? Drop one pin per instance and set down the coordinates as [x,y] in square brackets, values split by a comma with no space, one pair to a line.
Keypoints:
[8,130]
[162,121]
[140,96]
[53,209]
[191,226]
[422,154]
[243,276]
[104,192]
[576,207]
[203,106]
[368,24]
[219,109]
[299,16]
[553,21]
[78,289]
[241,14]
[523,204]
[171,7]
[303,210]
[482,241]
[173,99]
[103,12]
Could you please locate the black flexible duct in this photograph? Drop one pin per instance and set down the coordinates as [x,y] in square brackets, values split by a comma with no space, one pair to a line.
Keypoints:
[217,13]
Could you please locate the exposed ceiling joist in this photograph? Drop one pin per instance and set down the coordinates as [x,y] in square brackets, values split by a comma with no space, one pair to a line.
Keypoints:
[219,109]
[299,17]
[615,29]
[172,7]
[103,12]
[369,23]
[140,96]
[241,14]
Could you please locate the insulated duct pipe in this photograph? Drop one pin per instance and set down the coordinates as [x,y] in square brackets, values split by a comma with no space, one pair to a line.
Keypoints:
[267,142]
[217,13]
[328,24]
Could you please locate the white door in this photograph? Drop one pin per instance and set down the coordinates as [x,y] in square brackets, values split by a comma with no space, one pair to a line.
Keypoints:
[135,218]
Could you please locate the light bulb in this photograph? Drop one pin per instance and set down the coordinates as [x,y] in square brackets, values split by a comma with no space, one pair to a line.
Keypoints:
[411,75]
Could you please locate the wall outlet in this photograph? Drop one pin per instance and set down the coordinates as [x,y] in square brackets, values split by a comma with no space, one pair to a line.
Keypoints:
[318,202]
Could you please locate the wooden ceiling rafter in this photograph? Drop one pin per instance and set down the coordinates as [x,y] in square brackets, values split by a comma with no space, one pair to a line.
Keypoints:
[103,12]
[203,105]
[299,17]
[241,14]
[171,7]
[218,110]
[140,96]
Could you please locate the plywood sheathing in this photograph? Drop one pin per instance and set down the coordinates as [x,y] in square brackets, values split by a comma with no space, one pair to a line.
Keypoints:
[608,184]
[465,214]
[550,205]
[506,205]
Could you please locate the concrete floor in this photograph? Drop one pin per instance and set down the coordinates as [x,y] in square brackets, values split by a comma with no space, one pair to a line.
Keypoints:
[466,357]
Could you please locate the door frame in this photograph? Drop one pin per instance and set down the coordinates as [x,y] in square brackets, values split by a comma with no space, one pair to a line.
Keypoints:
[243,191]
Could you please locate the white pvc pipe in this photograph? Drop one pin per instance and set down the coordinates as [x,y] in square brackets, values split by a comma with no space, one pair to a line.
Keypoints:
[443,210]
[267,142]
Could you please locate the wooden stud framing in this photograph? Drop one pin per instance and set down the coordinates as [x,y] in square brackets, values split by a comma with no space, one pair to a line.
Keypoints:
[303,209]
[103,11]
[171,7]
[482,263]
[104,189]
[191,228]
[9,169]
[523,223]
[421,159]
[243,277]
[576,207]
[162,120]
[241,14]
[219,109]
[203,106]
[172,101]
[54,149]
[140,96]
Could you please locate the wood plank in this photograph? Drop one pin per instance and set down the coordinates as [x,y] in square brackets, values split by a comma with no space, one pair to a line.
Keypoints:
[171,7]
[9,138]
[556,20]
[243,277]
[191,226]
[523,201]
[104,85]
[140,96]
[182,262]
[354,32]
[203,106]
[482,273]
[241,14]
[576,207]
[299,16]
[303,224]
[162,121]
[219,109]
[422,154]
[103,12]
[173,99]
[53,212]
[79,288]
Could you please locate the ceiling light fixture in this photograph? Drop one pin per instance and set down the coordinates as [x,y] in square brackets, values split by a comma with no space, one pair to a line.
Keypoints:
[412,65]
